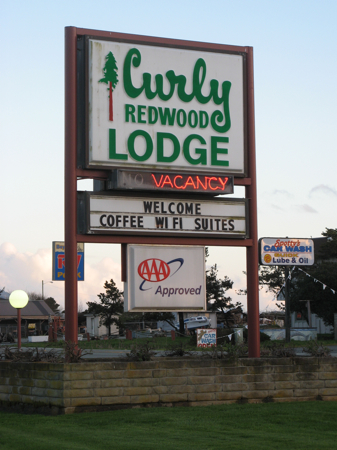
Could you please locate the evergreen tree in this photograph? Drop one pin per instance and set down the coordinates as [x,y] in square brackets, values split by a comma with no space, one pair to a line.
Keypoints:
[111,78]
[110,307]
[216,298]
[321,285]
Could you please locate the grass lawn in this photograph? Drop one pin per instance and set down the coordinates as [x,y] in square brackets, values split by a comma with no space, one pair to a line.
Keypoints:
[310,425]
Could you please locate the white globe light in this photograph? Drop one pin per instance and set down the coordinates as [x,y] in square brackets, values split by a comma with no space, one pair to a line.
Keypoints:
[18,299]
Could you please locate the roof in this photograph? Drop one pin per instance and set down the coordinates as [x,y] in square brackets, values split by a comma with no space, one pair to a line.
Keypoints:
[35,309]
[4,295]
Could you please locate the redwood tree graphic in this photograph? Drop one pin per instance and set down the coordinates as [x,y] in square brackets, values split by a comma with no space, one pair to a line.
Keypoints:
[110,77]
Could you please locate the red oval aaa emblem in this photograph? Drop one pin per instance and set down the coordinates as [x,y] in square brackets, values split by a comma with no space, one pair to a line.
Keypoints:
[153,270]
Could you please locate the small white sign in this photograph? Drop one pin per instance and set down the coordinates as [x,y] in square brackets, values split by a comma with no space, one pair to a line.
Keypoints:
[165,278]
[286,252]
[169,216]
[206,338]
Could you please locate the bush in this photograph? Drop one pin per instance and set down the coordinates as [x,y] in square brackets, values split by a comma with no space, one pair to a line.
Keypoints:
[141,352]
[178,349]
[264,337]
[316,349]
[325,337]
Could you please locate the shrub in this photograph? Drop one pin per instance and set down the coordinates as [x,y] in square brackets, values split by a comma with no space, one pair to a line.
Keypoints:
[316,349]
[141,352]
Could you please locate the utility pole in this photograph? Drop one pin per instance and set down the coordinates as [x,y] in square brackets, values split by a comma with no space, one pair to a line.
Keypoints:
[287,305]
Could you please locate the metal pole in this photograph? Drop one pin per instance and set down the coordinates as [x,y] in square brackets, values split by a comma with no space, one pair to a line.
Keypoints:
[287,305]
[19,327]
[42,290]
[309,313]
[252,251]
[70,231]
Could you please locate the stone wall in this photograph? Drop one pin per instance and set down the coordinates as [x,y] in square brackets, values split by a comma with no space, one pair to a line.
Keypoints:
[68,388]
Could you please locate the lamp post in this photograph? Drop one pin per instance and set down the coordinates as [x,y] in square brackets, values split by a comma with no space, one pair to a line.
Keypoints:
[43,283]
[18,299]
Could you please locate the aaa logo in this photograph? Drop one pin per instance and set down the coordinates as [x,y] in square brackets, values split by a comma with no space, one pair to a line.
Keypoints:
[154,270]
[110,72]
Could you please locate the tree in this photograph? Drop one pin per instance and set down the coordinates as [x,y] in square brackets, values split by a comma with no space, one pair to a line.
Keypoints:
[51,302]
[216,289]
[136,318]
[110,307]
[319,282]
[110,77]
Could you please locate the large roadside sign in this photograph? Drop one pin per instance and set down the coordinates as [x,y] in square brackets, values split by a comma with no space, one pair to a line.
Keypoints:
[172,109]
[162,126]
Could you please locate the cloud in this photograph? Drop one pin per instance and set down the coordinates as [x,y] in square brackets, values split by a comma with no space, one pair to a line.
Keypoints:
[277,207]
[282,192]
[306,208]
[27,270]
[324,189]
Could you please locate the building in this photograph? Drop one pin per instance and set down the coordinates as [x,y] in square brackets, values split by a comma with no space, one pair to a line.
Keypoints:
[95,329]
[34,317]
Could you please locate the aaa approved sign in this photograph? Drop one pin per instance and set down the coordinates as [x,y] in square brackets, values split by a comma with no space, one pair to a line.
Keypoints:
[165,278]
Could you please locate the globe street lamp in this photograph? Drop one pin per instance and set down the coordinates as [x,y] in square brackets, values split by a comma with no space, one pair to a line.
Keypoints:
[43,283]
[18,299]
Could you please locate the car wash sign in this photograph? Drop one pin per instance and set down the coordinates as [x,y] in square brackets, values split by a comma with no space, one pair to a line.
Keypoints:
[165,278]
[168,108]
[286,252]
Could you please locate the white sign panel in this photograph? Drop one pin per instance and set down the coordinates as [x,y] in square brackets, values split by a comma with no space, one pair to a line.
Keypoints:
[165,278]
[168,108]
[206,338]
[170,216]
[286,252]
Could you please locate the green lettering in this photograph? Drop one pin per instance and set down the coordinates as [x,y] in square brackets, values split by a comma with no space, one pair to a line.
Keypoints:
[220,119]
[133,57]
[148,142]
[217,116]
[152,114]
[181,117]
[215,151]
[167,116]
[141,113]
[202,159]
[200,69]
[203,119]
[160,147]
[112,146]
[193,118]
[130,113]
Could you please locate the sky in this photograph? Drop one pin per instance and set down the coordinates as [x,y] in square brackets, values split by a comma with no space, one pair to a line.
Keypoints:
[295,115]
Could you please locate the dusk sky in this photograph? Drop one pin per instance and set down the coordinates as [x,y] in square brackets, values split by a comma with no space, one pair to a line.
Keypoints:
[295,114]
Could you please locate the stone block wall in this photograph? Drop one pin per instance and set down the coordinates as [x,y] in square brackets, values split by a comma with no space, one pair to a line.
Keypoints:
[69,388]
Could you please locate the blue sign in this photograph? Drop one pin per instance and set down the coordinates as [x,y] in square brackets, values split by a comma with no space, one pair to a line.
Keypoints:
[59,261]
